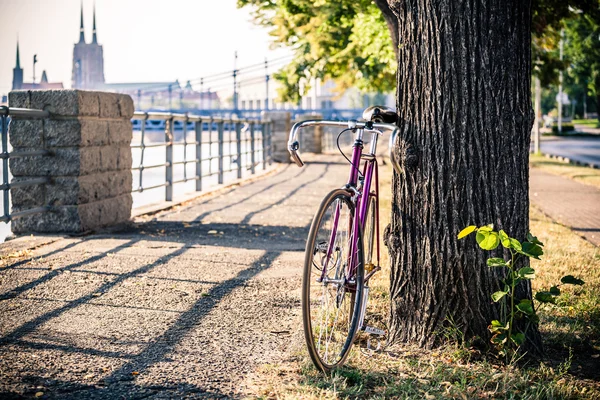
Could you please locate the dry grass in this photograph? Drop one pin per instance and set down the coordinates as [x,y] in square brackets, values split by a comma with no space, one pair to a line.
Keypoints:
[571,334]
[586,175]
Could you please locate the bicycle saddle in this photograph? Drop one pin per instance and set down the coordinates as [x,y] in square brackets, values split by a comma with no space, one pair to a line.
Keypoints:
[380,114]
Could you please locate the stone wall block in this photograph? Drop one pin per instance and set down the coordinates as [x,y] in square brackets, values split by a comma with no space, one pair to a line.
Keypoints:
[63,191]
[125,158]
[27,197]
[75,132]
[126,107]
[61,162]
[74,103]
[105,212]
[25,133]
[120,131]
[109,105]
[109,158]
[19,99]
[280,132]
[56,220]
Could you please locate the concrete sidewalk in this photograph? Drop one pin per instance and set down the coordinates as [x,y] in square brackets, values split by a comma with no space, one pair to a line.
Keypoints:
[571,203]
[184,304]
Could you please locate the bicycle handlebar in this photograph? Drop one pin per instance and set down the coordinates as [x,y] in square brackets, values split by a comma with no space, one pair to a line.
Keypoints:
[294,146]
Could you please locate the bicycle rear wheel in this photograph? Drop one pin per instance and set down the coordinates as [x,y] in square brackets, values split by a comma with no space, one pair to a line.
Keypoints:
[331,299]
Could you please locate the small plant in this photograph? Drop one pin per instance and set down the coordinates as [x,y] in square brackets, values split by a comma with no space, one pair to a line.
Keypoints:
[506,337]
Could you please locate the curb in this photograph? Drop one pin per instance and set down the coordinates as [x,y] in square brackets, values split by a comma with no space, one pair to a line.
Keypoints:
[571,161]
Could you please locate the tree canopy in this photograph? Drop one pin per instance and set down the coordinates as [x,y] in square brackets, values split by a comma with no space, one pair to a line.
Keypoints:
[349,41]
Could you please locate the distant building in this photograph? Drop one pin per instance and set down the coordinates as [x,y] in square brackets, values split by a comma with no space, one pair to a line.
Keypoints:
[88,60]
[18,83]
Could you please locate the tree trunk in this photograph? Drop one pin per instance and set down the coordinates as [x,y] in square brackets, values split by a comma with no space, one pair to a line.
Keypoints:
[465,116]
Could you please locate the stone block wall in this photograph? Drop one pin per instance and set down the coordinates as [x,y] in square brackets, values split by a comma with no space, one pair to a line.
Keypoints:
[310,138]
[88,136]
[279,134]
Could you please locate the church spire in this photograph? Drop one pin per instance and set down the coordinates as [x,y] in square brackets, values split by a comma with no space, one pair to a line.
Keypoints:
[18,65]
[81,32]
[94,38]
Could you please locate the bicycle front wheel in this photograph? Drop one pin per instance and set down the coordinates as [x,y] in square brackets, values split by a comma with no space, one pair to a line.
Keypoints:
[333,281]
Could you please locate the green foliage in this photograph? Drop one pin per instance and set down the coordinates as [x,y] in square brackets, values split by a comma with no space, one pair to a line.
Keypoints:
[506,336]
[347,41]
[565,128]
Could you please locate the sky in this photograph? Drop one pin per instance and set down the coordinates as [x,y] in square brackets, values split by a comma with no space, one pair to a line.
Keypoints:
[143,40]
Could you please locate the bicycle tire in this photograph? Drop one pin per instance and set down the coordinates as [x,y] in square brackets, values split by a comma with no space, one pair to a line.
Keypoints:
[347,301]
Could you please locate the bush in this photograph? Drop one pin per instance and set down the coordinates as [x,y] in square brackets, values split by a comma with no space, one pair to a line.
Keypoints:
[565,128]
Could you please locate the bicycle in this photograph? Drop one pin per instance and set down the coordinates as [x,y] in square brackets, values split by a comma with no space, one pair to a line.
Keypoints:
[334,285]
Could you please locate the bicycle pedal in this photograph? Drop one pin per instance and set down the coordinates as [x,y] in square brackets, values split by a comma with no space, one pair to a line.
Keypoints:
[374,331]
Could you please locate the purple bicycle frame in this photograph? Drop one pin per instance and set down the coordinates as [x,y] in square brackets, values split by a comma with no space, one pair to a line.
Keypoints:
[361,209]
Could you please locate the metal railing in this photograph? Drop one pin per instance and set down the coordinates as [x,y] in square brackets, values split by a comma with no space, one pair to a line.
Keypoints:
[223,148]
[6,154]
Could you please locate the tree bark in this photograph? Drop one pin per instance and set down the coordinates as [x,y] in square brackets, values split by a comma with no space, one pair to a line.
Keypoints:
[465,116]
[391,21]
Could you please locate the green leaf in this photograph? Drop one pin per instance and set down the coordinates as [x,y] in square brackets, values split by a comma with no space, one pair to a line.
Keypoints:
[532,250]
[504,238]
[499,338]
[554,291]
[533,239]
[496,262]
[467,231]
[488,240]
[486,228]
[515,244]
[496,296]
[518,338]
[526,307]
[545,297]
[526,273]
[571,280]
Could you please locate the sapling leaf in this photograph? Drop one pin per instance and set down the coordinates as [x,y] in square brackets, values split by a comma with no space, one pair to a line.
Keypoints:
[496,262]
[526,307]
[515,244]
[554,291]
[496,296]
[518,338]
[499,338]
[504,238]
[486,228]
[487,240]
[532,250]
[571,280]
[467,231]
[533,239]
[527,273]
[545,297]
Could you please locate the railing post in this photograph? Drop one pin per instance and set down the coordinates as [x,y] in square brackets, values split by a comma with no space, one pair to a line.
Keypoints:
[220,144]
[169,160]
[198,155]
[263,143]
[252,146]
[238,140]
[270,141]
[5,167]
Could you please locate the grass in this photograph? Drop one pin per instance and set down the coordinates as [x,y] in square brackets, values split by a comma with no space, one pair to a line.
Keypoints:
[571,333]
[586,175]
[590,123]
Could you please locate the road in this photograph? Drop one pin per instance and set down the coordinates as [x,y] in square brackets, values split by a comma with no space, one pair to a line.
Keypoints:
[583,149]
